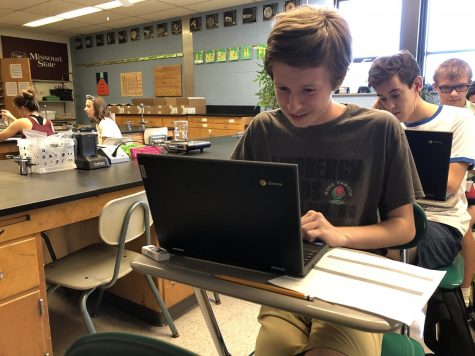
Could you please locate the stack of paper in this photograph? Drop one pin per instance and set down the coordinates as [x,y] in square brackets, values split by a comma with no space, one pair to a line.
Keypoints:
[368,282]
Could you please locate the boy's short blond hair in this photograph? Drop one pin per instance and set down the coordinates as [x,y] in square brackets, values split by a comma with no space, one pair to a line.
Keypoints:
[453,69]
[311,37]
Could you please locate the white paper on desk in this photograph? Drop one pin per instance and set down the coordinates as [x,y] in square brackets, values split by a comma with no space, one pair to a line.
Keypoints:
[368,282]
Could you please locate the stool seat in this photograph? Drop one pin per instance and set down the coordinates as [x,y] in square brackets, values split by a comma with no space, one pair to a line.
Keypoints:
[395,344]
[454,276]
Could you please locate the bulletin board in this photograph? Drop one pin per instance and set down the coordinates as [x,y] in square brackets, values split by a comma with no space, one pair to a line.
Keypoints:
[131,84]
[168,81]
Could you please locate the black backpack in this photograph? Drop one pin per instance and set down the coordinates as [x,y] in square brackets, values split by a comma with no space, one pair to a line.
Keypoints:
[447,309]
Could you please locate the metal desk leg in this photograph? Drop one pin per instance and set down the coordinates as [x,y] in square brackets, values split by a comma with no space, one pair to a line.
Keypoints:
[211,322]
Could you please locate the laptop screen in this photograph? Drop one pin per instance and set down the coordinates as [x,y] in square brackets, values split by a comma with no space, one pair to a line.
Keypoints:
[235,212]
[431,151]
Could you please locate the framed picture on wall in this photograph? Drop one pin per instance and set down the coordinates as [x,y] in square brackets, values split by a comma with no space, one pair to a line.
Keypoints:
[110,37]
[89,41]
[290,5]
[78,43]
[211,21]
[100,40]
[230,18]
[135,34]
[147,32]
[269,11]
[195,24]
[176,27]
[249,14]
[122,35]
[162,29]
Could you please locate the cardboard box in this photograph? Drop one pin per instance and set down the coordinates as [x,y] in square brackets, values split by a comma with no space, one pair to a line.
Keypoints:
[170,101]
[116,109]
[198,103]
[148,101]
[182,102]
[132,109]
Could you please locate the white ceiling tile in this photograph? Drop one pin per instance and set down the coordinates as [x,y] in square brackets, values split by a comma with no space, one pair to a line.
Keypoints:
[14,13]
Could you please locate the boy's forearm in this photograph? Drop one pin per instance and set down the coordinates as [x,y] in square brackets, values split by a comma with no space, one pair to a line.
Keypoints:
[396,230]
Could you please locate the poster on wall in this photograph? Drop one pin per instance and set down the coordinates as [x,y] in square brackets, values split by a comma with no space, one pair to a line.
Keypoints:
[176,27]
[195,24]
[110,38]
[48,60]
[131,84]
[269,11]
[162,29]
[211,21]
[100,40]
[221,55]
[102,84]
[230,18]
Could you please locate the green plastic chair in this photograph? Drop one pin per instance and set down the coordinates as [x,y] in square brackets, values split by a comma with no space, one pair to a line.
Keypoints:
[124,344]
[401,344]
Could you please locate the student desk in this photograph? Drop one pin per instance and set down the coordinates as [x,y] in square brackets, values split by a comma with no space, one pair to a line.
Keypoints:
[201,275]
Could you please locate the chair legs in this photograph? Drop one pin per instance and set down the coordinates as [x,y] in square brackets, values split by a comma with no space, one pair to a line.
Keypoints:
[164,309]
[100,294]
[217,299]
[85,314]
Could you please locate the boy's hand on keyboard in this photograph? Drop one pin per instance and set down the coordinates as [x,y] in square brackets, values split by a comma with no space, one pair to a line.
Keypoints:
[316,226]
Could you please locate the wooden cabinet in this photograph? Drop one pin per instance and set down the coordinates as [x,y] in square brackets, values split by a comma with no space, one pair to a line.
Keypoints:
[204,126]
[214,126]
[24,329]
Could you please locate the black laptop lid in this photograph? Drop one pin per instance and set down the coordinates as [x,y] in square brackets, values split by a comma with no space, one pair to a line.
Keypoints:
[431,151]
[234,212]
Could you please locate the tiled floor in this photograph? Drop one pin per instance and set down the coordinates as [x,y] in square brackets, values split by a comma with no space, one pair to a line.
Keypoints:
[237,320]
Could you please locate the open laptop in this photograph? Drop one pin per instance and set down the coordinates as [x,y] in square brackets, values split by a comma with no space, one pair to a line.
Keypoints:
[240,213]
[431,151]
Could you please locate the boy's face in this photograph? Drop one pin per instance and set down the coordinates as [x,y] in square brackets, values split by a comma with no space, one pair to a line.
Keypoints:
[455,89]
[397,98]
[304,94]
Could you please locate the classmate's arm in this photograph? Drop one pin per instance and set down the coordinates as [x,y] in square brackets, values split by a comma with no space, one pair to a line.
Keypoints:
[8,116]
[457,172]
[13,129]
[397,229]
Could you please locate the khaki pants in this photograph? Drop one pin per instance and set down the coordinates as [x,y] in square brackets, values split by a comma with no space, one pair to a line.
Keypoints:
[284,333]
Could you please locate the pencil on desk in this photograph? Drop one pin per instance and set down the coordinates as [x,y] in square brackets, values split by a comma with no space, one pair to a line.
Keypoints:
[264,286]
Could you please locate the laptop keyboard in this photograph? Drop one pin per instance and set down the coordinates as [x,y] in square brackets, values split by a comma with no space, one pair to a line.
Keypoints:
[310,250]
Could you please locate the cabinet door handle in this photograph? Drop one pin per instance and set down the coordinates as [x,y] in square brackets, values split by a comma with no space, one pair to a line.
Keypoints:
[2,275]
[41,306]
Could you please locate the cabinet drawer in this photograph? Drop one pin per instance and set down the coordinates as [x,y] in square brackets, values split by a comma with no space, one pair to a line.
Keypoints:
[225,132]
[168,121]
[228,126]
[228,120]
[198,119]
[174,292]
[200,125]
[18,267]
[22,330]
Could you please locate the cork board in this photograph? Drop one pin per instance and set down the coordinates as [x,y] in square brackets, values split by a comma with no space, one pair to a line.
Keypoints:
[131,84]
[167,81]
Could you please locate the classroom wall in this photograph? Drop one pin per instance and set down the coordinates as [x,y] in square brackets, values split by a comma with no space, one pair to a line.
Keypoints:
[227,83]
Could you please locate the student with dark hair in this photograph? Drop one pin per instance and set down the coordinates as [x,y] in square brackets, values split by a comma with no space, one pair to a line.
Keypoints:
[397,81]
[31,118]
[354,164]
[97,110]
